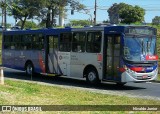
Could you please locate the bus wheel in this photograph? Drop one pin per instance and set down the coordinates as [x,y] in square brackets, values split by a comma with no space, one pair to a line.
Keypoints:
[29,68]
[92,76]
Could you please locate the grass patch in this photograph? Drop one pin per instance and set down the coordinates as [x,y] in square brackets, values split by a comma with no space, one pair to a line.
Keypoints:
[23,93]
[158,77]
[0,48]
[30,93]
[158,48]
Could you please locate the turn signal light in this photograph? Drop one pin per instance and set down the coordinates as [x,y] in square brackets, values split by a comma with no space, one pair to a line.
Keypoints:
[99,57]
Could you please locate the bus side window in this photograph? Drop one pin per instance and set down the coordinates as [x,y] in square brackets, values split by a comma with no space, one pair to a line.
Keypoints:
[27,40]
[65,42]
[109,45]
[41,41]
[36,42]
[94,42]
[17,42]
[7,41]
[97,42]
[78,42]
[116,45]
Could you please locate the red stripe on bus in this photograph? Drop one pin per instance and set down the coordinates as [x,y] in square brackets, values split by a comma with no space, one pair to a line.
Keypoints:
[122,69]
[137,69]
[99,57]
[41,63]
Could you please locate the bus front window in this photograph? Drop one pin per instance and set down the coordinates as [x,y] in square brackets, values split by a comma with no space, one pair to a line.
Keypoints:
[136,48]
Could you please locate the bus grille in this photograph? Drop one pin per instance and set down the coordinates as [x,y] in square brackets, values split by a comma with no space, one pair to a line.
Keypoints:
[143,78]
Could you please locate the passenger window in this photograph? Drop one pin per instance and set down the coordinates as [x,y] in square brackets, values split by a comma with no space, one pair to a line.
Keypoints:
[7,38]
[78,42]
[65,42]
[27,42]
[7,41]
[24,42]
[35,43]
[41,41]
[117,45]
[17,42]
[94,42]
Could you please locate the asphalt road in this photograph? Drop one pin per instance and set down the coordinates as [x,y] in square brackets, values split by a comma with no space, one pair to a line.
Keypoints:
[148,90]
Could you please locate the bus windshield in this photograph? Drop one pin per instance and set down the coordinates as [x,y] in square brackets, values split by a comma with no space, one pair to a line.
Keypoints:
[136,48]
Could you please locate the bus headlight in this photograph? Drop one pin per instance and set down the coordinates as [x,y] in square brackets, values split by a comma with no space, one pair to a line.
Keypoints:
[130,71]
[125,67]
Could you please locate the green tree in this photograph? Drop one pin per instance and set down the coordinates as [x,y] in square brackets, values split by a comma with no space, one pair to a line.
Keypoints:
[41,25]
[43,10]
[156,20]
[105,21]
[79,23]
[28,24]
[3,6]
[126,13]
[48,12]
[25,9]
[53,8]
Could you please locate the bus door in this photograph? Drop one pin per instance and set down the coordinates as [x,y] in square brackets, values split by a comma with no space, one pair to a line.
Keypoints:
[52,54]
[112,56]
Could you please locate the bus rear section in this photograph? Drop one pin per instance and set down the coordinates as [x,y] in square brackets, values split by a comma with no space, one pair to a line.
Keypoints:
[130,54]
[24,50]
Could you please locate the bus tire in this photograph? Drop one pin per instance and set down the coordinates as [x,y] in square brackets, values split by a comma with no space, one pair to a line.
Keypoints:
[92,76]
[29,68]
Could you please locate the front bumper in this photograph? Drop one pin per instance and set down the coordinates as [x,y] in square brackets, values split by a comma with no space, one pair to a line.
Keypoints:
[131,76]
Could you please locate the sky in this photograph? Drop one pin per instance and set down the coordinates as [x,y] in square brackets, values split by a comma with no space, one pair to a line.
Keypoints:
[152,8]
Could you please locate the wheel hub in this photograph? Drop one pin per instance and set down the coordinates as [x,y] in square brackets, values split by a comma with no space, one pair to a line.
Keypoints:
[91,76]
[29,69]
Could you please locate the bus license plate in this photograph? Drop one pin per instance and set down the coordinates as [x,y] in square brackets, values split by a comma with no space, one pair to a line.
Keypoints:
[144,76]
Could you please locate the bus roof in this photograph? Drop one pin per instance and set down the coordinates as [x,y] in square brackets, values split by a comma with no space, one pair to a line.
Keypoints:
[43,31]
[56,31]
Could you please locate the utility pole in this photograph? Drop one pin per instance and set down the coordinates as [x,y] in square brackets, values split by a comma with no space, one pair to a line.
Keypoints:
[2,17]
[95,12]
[5,15]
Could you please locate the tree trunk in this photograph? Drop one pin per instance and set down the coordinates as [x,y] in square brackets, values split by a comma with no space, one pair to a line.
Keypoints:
[53,22]
[23,22]
[2,17]
[48,21]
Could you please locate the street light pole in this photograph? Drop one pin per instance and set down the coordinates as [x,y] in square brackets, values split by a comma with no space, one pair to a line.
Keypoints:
[95,12]
[5,14]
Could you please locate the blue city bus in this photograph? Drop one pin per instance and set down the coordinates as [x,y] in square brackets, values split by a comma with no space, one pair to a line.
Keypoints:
[117,54]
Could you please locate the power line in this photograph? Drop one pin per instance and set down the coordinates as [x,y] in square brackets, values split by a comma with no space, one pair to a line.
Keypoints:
[143,6]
